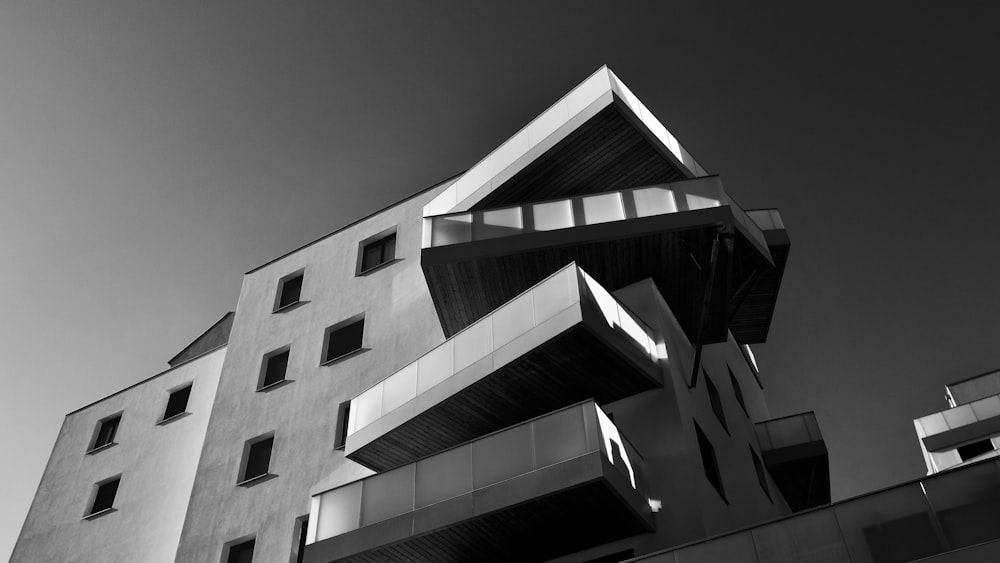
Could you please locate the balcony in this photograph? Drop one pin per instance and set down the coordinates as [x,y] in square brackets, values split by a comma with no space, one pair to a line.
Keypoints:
[942,433]
[795,454]
[565,340]
[476,260]
[550,486]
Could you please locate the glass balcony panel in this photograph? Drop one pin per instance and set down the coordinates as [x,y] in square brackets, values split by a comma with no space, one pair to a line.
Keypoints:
[473,344]
[893,525]
[451,229]
[553,215]
[654,201]
[786,432]
[444,476]
[368,407]
[498,223]
[559,437]
[934,424]
[986,408]
[435,366]
[966,503]
[399,388]
[812,536]
[961,415]
[339,511]
[553,295]
[501,456]
[699,202]
[512,320]
[388,494]
[603,208]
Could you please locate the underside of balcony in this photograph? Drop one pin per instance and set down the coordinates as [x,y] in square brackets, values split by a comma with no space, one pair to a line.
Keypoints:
[752,312]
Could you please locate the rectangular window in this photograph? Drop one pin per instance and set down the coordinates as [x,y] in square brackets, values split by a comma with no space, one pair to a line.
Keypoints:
[289,290]
[104,436]
[710,462]
[378,252]
[343,338]
[300,538]
[256,458]
[716,400]
[104,497]
[274,366]
[975,449]
[177,403]
[759,468]
[343,415]
[738,391]
[241,552]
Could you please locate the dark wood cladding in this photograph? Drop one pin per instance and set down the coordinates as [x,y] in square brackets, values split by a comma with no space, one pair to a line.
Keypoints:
[751,321]
[608,152]
[537,530]
[567,369]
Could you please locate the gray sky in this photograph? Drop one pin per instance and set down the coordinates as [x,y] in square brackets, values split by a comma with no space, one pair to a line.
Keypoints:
[151,152]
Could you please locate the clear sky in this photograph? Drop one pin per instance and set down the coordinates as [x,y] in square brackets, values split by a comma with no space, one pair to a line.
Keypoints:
[152,152]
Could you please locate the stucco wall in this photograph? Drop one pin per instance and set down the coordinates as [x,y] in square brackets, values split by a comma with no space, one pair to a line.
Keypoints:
[157,464]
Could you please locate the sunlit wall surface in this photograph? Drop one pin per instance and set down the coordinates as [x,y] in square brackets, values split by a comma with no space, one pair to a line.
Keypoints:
[935,515]
[554,438]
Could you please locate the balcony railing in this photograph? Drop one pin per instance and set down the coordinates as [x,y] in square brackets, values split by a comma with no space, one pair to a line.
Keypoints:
[523,464]
[531,309]
[957,417]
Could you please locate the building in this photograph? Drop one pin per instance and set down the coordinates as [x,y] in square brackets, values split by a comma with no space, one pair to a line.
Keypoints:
[546,357]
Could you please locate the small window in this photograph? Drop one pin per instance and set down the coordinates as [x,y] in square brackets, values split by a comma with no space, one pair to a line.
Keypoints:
[716,400]
[738,391]
[273,368]
[759,468]
[256,458]
[710,462]
[104,436]
[289,290]
[342,339]
[241,552]
[302,532]
[343,415]
[177,403]
[104,497]
[975,449]
[378,252]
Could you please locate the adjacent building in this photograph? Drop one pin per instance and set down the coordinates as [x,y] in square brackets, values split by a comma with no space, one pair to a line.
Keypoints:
[545,358]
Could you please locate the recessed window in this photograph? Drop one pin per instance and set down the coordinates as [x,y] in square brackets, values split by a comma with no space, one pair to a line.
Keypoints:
[975,449]
[289,290]
[709,461]
[716,400]
[302,525]
[343,415]
[343,338]
[104,496]
[104,436]
[256,458]
[759,468]
[738,391]
[273,368]
[177,403]
[241,552]
[378,252]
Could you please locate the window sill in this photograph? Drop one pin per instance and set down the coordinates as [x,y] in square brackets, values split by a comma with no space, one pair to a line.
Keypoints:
[289,307]
[99,449]
[342,357]
[373,269]
[99,513]
[177,416]
[272,386]
[254,481]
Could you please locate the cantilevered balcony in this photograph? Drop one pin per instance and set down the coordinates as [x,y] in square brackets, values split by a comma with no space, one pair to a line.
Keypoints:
[690,237]
[565,340]
[550,486]
[795,454]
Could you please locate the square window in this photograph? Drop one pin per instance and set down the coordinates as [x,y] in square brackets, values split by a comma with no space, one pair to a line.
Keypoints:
[273,368]
[256,458]
[343,338]
[377,252]
[241,552]
[759,468]
[289,290]
[106,430]
[104,496]
[738,391]
[716,400]
[709,462]
[177,403]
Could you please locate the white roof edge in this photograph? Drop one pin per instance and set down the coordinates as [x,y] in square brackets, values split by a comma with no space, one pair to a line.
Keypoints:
[581,103]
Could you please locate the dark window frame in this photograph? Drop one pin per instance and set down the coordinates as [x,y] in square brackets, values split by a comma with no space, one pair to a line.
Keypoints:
[99,502]
[173,401]
[251,448]
[280,303]
[715,400]
[386,245]
[264,381]
[342,352]
[738,391]
[758,466]
[228,551]
[343,417]
[97,443]
[710,462]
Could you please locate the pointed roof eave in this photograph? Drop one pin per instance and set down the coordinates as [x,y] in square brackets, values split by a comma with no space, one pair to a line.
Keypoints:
[598,91]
